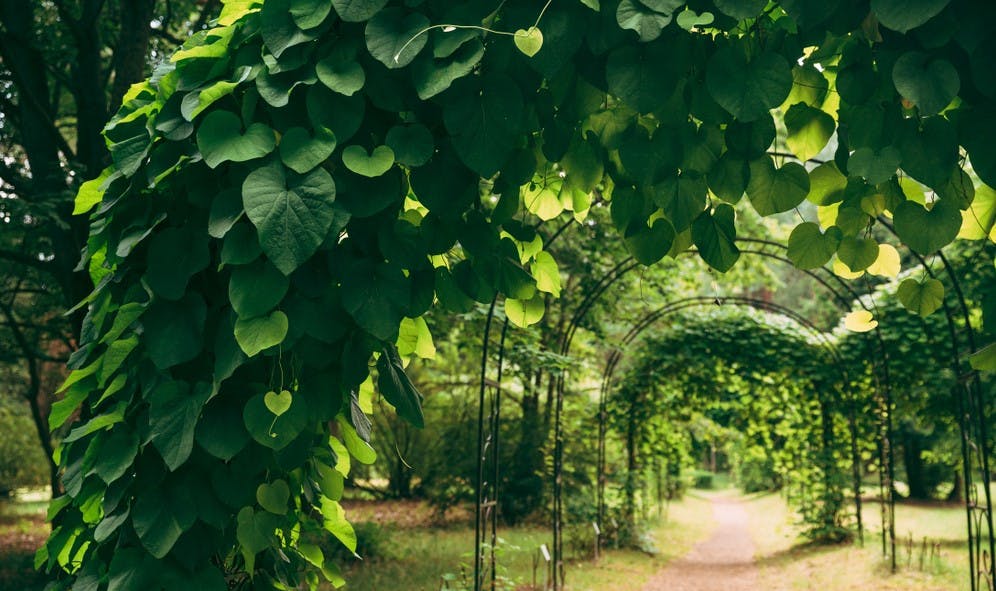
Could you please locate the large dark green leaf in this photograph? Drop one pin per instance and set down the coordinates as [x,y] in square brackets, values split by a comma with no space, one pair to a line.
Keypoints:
[931,84]
[748,89]
[927,231]
[715,235]
[292,212]
[397,388]
[173,412]
[256,289]
[641,75]
[903,15]
[809,248]
[484,119]
[354,11]
[175,255]
[394,38]
[649,244]
[773,190]
[220,138]
[174,331]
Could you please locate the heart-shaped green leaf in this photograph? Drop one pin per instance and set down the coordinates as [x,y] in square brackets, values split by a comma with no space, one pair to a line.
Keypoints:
[261,333]
[293,213]
[279,31]
[635,75]
[728,178]
[308,14]
[412,144]
[529,41]
[857,253]
[809,130]
[273,496]
[874,167]
[278,404]
[525,313]
[826,184]
[715,235]
[688,19]
[648,23]
[682,198]
[357,11]
[301,152]
[220,139]
[927,231]
[256,289]
[271,431]
[921,297]
[931,84]
[649,244]
[748,89]
[370,165]
[809,248]
[985,358]
[773,190]
[903,15]
[341,72]
[395,38]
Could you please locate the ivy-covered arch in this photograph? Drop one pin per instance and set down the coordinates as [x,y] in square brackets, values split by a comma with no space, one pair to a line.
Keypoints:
[716,334]
[296,186]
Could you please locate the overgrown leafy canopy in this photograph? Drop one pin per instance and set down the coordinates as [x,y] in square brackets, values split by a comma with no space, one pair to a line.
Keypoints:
[298,180]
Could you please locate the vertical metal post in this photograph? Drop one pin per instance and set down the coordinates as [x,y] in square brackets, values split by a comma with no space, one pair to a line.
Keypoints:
[478,513]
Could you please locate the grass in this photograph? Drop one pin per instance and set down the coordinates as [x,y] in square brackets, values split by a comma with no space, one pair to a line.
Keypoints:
[414,553]
[787,563]
[22,531]
[421,557]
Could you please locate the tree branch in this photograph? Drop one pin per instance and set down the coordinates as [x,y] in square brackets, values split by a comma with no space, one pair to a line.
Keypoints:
[164,34]
[207,13]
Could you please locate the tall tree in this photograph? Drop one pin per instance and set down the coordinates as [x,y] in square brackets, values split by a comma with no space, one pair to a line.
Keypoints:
[64,66]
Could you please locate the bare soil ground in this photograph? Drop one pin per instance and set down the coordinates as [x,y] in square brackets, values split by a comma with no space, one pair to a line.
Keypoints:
[723,562]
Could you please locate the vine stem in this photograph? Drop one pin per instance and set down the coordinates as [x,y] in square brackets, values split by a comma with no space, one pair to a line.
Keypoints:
[449,28]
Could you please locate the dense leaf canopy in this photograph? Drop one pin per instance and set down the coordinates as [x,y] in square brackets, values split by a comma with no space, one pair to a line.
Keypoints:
[296,182]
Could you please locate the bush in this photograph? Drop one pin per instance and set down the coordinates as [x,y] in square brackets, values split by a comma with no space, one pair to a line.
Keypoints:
[22,462]
[703,480]
[372,541]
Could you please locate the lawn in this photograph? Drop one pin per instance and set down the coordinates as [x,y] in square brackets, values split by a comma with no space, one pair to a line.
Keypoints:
[405,547]
[787,563]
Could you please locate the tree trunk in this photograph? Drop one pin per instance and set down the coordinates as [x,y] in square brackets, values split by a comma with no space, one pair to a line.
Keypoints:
[913,461]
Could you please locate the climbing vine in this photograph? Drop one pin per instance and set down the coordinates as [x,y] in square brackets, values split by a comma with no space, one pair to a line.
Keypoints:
[295,187]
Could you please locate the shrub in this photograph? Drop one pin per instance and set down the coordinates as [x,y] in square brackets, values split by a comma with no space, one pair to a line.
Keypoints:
[22,462]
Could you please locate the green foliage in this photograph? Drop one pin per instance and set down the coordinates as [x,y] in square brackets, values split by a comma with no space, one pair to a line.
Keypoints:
[386,159]
[22,463]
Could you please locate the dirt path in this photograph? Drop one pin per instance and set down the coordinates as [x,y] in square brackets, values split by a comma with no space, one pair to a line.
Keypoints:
[724,562]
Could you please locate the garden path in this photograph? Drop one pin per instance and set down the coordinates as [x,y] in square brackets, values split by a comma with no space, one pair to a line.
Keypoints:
[723,562]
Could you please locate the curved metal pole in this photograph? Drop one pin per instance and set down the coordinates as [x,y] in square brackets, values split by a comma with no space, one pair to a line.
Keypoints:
[698,301]
[982,564]
[478,514]
[601,286]
[496,436]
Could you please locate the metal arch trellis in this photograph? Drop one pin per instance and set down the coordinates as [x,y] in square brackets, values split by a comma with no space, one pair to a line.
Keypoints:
[488,450]
[883,383]
[982,514]
[975,442]
[698,301]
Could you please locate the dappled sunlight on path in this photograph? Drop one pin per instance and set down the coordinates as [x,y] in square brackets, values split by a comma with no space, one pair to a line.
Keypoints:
[723,562]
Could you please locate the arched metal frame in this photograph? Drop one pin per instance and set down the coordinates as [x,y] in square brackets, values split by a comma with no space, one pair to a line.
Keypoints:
[676,306]
[975,443]
[969,397]
[488,450]
[884,391]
